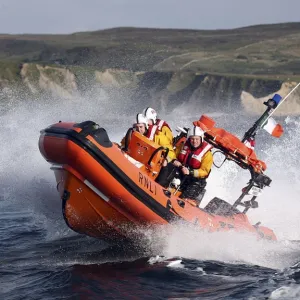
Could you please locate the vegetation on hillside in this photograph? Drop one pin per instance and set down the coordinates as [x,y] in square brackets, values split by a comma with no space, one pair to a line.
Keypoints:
[257,50]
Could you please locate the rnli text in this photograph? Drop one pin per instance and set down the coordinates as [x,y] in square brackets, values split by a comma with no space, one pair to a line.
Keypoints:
[147,183]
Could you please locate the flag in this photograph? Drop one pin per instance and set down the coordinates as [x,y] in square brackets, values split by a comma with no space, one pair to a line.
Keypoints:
[273,128]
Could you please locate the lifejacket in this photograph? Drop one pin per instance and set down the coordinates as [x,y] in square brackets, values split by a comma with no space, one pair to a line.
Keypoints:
[161,139]
[161,123]
[154,129]
[191,158]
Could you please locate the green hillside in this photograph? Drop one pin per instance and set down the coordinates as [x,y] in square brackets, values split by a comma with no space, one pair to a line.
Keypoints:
[269,50]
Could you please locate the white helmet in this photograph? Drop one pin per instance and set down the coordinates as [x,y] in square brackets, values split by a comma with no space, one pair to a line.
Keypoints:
[196,131]
[140,118]
[150,114]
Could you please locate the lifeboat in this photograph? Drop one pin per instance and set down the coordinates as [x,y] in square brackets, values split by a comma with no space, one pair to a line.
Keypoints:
[111,193]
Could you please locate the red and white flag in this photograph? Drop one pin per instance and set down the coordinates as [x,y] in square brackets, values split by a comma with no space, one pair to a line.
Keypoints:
[273,128]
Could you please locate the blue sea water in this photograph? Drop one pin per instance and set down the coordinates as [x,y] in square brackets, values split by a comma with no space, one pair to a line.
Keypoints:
[36,266]
[40,258]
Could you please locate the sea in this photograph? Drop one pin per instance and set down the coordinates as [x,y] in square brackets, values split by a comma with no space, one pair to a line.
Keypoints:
[41,258]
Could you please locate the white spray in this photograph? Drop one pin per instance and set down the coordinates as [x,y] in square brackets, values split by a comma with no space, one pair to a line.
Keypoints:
[27,182]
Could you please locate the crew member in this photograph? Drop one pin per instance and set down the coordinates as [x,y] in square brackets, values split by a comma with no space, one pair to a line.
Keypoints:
[153,134]
[161,125]
[140,125]
[194,162]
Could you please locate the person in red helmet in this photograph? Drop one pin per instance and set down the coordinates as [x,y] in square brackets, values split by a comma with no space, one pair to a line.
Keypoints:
[194,162]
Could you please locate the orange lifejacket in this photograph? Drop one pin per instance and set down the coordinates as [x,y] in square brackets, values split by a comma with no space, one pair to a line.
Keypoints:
[191,158]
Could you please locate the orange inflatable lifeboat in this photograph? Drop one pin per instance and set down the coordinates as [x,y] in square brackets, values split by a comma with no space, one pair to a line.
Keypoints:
[111,194]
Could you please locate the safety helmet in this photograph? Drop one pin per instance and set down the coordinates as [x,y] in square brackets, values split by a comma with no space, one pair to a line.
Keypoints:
[196,131]
[140,118]
[150,114]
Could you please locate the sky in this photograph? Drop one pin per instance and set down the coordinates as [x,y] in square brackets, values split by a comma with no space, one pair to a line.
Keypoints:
[67,16]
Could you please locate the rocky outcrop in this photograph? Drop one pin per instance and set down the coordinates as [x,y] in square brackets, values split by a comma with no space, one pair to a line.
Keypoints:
[291,106]
[111,78]
[59,82]
[162,90]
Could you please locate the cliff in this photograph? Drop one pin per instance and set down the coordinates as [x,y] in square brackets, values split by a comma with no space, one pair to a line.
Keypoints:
[165,68]
[162,90]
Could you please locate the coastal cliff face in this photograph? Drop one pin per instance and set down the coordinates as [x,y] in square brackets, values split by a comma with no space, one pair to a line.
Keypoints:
[290,107]
[162,90]
[56,81]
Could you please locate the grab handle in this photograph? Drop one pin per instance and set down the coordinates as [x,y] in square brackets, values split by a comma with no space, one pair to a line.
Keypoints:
[156,151]
[127,139]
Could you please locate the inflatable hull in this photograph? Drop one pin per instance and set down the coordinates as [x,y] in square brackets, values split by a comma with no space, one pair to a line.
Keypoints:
[104,195]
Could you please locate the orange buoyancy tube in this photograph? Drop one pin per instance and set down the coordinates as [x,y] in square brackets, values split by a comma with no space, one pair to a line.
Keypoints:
[233,144]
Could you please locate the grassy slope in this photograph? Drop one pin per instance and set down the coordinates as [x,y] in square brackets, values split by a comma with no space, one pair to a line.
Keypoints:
[263,50]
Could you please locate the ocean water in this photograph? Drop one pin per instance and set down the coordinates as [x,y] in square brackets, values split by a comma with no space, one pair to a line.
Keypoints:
[41,258]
